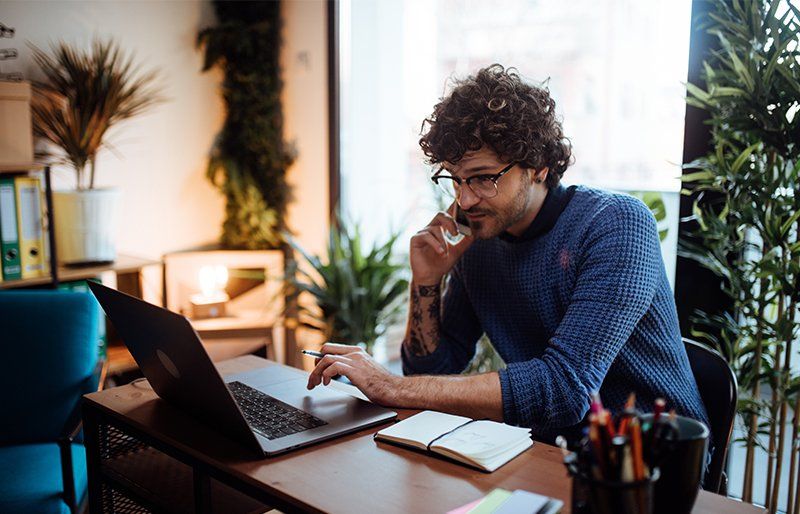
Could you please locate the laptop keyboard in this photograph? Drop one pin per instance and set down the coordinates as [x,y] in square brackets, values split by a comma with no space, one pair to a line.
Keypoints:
[269,416]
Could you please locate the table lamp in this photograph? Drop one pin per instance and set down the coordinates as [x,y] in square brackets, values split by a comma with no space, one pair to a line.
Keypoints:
[210,301]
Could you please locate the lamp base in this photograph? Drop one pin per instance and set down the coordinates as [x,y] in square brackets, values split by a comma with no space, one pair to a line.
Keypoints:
[208,307]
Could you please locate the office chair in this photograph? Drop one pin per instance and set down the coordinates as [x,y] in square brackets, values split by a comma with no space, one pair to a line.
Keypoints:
[719,392]
[48,360]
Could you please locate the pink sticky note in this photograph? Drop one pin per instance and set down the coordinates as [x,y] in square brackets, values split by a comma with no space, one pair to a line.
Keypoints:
[465,508]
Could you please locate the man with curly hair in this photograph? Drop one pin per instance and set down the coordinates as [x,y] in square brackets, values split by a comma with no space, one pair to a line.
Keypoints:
[567,282]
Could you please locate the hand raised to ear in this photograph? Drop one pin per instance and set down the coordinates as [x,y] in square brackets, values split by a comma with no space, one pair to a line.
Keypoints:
[431,255]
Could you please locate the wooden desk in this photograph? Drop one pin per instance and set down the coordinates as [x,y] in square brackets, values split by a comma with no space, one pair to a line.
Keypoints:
[348,474]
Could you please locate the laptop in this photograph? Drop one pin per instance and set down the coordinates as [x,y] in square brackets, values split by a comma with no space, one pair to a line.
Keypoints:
[267,409]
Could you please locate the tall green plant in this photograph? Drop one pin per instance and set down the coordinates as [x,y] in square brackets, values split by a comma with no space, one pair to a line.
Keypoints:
[357,292]
[655,202]
[249,160]
[83,95]
[748,222]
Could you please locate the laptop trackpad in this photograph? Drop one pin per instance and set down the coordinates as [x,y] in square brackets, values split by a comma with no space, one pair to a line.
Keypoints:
[290,387]
[324,403]
[268,376]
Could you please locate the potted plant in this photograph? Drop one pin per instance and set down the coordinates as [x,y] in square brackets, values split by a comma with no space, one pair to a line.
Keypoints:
[357,292]
[748,229]
[82,96]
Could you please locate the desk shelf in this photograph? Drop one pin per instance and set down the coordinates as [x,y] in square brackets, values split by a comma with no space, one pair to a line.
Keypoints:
[137,478]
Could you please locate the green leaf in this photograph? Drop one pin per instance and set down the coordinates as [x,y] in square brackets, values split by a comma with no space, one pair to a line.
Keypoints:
[778,55]
[737,64]
[697,176]
[740,160]
[790,79]
[787,225]
[723,91]
[701,95]
[699,215]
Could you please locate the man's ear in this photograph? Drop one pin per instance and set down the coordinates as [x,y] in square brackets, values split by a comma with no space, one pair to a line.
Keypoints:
[541,175]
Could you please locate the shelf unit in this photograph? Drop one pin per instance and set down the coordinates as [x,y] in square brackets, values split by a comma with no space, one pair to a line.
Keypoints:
[223,337]
[124,264]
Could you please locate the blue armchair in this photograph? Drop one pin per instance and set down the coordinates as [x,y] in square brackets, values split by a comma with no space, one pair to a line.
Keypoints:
[48,360]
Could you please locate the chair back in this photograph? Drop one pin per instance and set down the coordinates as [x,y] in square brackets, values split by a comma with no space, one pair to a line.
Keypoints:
[48,354]
[719,392]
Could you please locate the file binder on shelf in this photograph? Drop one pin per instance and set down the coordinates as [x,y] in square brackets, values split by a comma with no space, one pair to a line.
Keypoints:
[37,223]
[29,224]
[9,236]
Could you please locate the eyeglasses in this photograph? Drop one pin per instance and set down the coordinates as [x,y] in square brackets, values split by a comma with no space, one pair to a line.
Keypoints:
[483,186]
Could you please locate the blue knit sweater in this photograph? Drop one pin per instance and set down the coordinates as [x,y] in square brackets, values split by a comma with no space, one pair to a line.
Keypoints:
[578,303]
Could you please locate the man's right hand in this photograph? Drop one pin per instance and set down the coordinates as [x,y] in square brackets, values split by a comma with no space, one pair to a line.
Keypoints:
[431,255]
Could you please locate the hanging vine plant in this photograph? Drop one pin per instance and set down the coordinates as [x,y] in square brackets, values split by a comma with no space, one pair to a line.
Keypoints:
[249,160]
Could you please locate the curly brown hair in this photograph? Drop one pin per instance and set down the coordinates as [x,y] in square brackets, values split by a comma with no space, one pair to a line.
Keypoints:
[496,108]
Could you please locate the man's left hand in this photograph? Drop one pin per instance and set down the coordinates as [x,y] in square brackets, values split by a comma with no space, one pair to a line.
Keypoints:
[360,368]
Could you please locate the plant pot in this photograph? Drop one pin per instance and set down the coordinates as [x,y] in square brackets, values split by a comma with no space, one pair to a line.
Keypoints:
[85,225]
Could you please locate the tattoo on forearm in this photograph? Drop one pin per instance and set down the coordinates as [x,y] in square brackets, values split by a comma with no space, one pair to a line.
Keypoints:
[429,291]
[422,335]
[433,308]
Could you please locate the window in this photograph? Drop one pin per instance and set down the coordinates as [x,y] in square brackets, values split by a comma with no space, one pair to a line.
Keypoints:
[616,69]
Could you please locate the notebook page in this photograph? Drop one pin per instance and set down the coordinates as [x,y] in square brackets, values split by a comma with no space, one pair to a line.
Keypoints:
[483,439]
[422,428]
[492,463]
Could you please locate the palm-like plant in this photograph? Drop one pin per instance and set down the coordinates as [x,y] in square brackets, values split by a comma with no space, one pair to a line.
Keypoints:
[83,95]
[357,292]
[749,235]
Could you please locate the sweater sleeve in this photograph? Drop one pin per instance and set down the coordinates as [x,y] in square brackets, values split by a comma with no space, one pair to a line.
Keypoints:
[459,331]
[618,268]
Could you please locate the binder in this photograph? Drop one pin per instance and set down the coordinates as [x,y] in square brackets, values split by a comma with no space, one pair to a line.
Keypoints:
[29,225]
[9,236]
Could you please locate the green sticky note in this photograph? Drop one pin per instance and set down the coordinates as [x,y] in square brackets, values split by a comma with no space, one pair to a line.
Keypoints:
[491,502]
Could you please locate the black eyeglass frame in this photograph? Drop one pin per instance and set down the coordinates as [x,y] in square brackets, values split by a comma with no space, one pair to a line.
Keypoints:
[494,177]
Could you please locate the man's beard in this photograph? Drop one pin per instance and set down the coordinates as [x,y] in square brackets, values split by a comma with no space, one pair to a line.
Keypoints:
[497,222]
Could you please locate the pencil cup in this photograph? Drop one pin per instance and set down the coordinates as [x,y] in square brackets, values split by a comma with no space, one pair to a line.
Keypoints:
[682,464]
[592,496]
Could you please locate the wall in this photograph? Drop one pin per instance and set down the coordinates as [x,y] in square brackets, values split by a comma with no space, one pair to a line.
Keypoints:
[167,203]
[305,101]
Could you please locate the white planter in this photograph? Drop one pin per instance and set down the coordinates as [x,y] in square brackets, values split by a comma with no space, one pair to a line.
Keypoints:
[85,225]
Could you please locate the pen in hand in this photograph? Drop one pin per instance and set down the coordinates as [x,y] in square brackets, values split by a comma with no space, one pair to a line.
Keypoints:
[314,354]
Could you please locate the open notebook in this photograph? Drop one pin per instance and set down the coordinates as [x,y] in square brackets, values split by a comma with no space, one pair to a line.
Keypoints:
[486,445]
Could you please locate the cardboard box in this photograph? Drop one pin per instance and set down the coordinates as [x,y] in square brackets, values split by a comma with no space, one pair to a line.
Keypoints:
[16,132]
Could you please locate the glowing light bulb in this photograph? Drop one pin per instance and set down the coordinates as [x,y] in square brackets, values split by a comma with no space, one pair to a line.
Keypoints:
[210,302]
[220,277]
[206,278]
